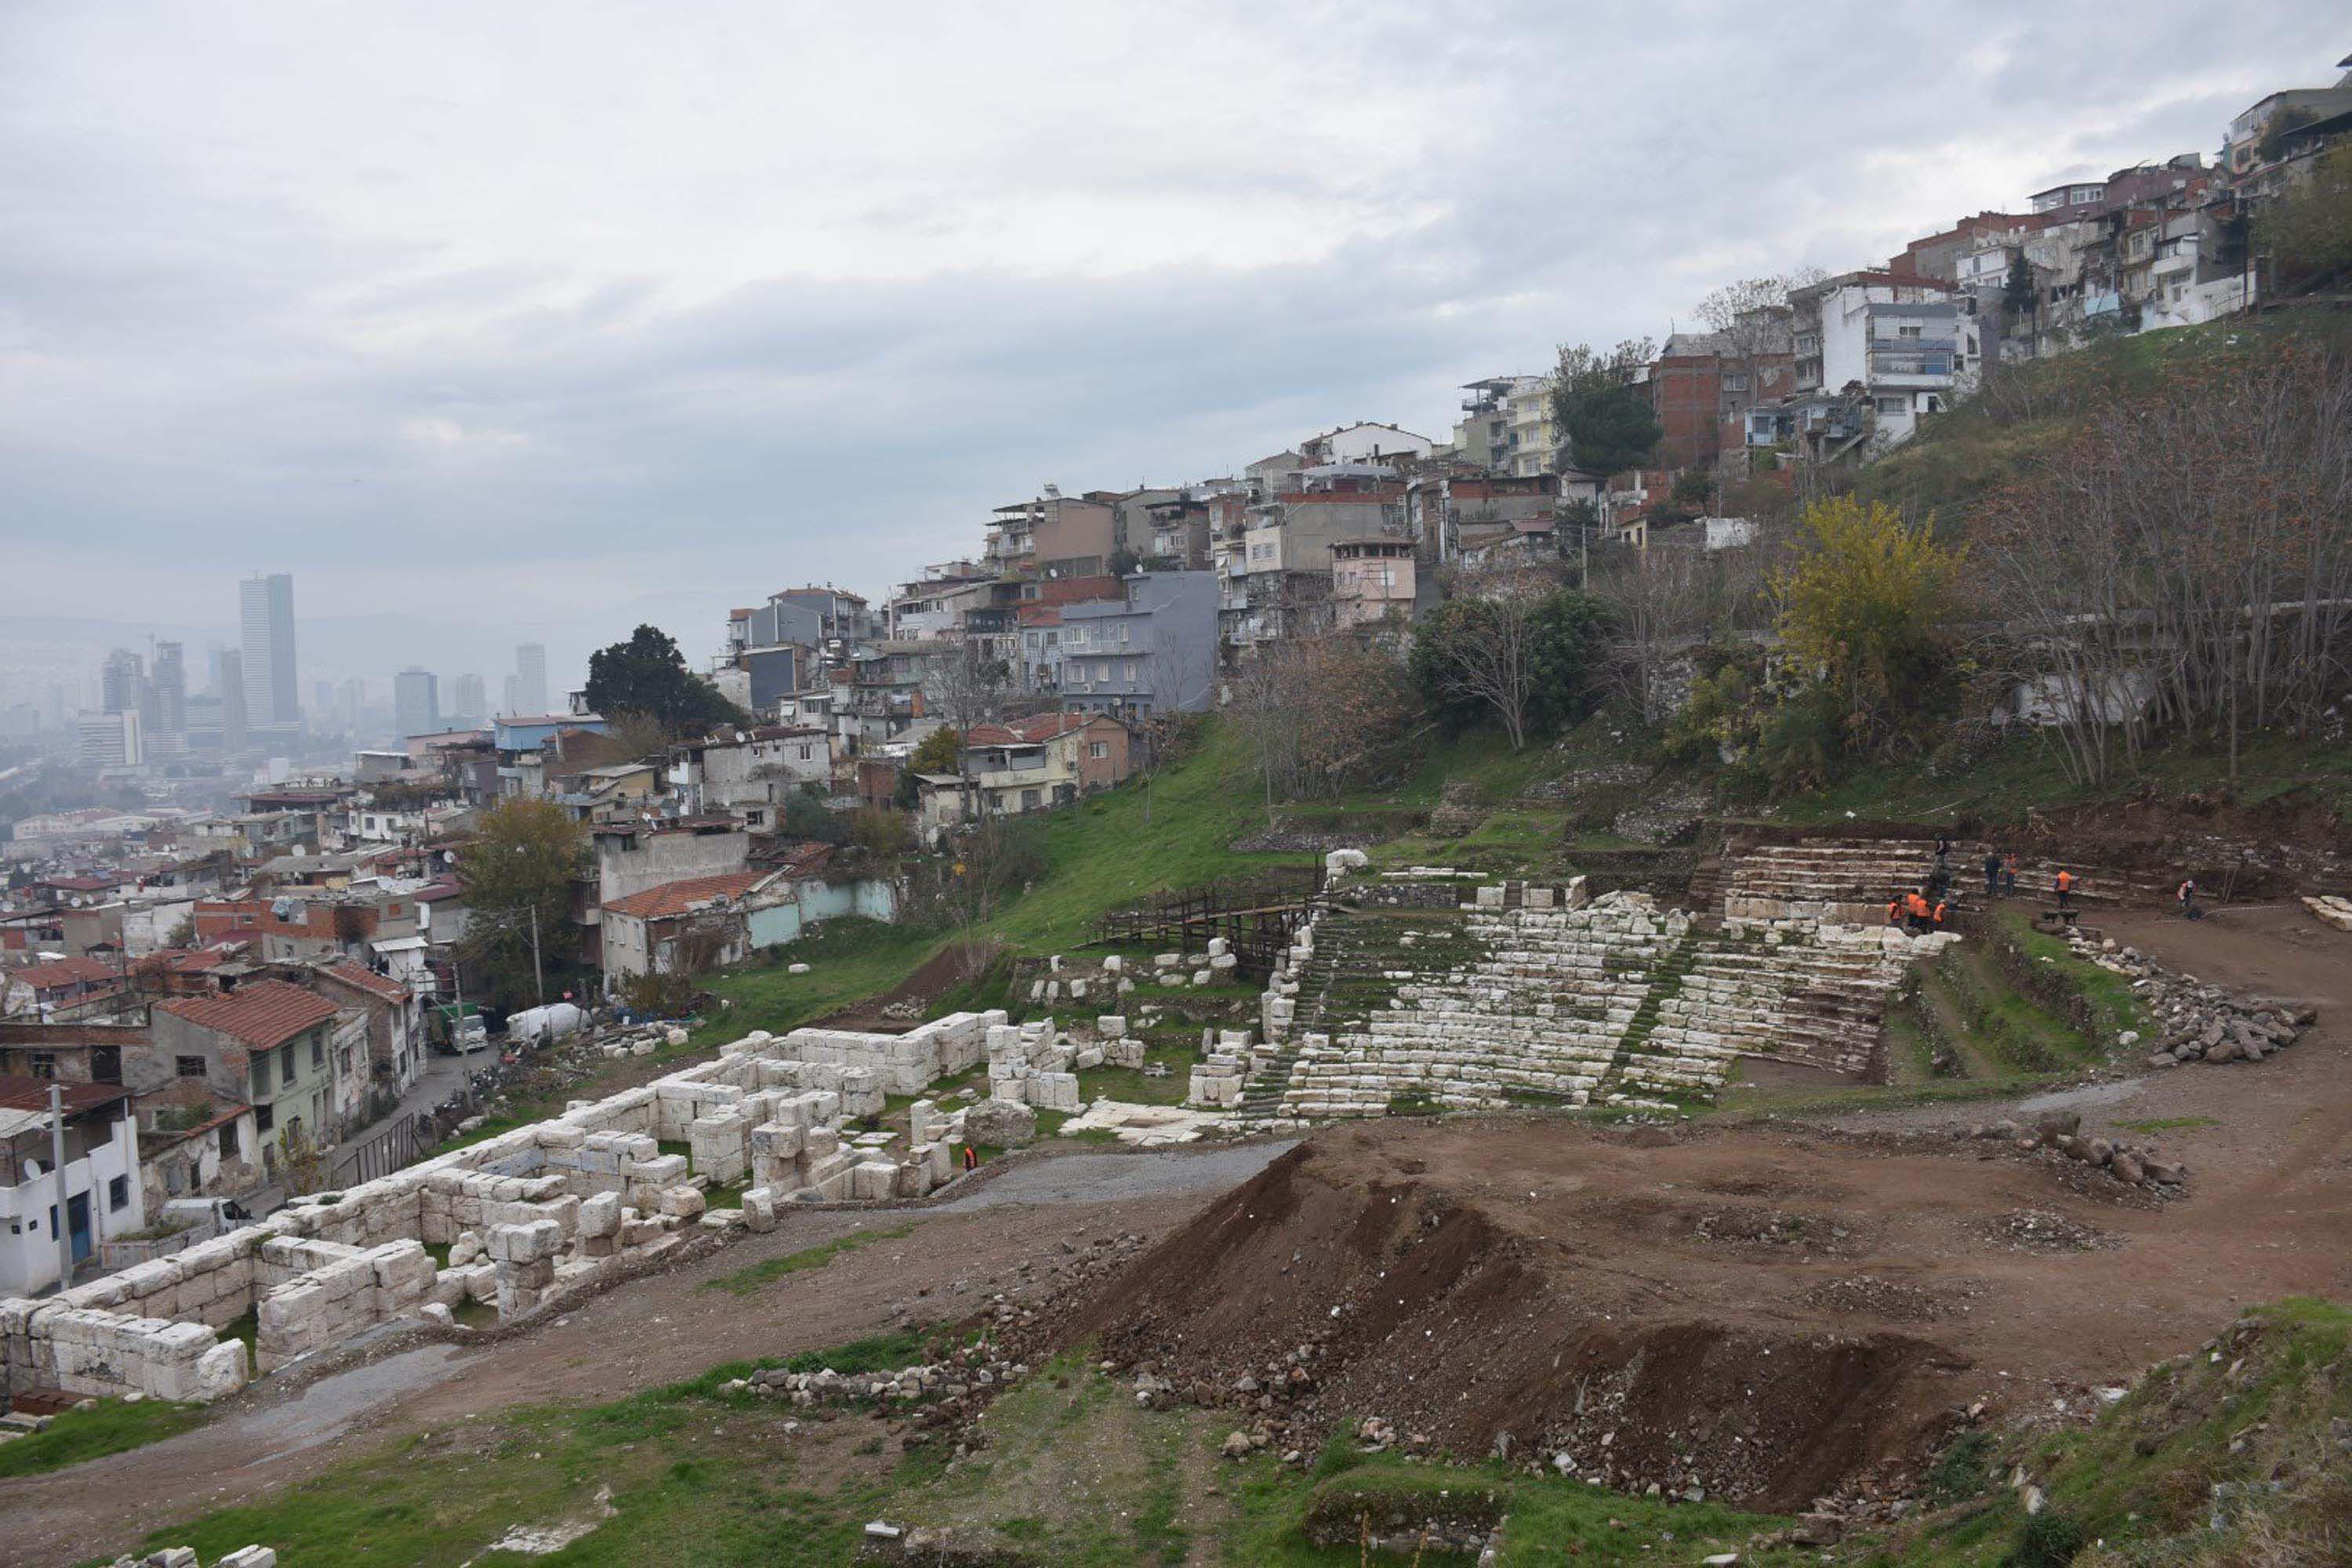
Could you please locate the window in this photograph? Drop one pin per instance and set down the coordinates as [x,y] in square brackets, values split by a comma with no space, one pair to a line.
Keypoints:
[265,1117]
[1907,330]
[260,1074]
[118,1193]
[286,1065]
[45,1064]
[318,1051]
[1032,799]
[1893,405]
[188,1066]
[1098,749]
[228,1140]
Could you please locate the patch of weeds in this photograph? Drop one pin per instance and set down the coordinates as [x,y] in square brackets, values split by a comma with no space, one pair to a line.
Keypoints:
[1963,1470]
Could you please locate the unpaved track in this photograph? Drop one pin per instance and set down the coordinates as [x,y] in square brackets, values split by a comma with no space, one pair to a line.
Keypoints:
[658,1330]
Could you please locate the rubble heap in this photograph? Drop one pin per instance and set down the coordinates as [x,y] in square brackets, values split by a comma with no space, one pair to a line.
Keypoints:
[2199,1022]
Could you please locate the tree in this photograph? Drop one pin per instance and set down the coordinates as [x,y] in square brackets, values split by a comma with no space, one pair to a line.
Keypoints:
[805,815]
[1514,647]
[2186,561]
[519,864]
[647,675]
[1753,320]
[1602,412]
[1314,710]
[2017,293]
[1864,613]
[937,753]
[2308,230]
[964,687]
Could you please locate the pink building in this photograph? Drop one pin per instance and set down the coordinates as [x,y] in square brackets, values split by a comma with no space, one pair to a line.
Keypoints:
[1371,579]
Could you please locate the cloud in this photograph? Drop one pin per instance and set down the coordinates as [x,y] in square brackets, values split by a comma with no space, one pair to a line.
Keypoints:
[435,303]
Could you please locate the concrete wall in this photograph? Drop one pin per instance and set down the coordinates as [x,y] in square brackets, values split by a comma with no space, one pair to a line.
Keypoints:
[28,1244]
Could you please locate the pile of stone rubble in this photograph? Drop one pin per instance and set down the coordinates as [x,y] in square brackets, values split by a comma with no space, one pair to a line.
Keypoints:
[2199,1022]
[2135,1164]
[185,1557]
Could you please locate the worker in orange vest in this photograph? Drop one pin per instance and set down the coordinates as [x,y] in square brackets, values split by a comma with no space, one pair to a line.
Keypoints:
[2066,886]
[1941,909]
[1895,912]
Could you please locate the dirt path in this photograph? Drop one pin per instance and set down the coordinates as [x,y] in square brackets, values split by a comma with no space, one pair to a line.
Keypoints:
[651,1332]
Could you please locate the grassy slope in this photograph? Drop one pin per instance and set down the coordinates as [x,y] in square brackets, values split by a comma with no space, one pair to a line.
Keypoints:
[2251,1418]
[113,1428]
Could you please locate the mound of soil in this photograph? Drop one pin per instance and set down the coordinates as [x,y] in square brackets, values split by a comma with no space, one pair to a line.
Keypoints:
[1344,1282]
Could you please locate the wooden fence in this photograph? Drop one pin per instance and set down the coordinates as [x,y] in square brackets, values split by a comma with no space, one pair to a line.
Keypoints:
[1257,916]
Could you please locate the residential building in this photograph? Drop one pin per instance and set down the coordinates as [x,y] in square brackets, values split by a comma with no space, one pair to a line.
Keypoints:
[751,774]
[1372,581]
[832,620]
[1028,764]
[1702,384]
[394,1014]
[95,1194]
[70,986]
[682,927]
[273,700]
[2247,145]
[267,1043]
[1534,438]
[633,857]
[1483,435]
[1054,535]
[1439,503]
[1905,347]
[1152,650]
[1364,442]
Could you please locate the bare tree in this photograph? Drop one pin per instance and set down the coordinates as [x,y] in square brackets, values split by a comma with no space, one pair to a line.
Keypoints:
[965,685]
[2186,561]
[1484,646]
[1660,604]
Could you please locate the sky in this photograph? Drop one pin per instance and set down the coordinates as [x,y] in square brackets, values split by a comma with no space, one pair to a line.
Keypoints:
[477,313]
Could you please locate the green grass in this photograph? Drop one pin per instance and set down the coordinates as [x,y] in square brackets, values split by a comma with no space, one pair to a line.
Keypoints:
[2113,1006]
[850,960]
[2252,1418]
[748,1281]
[114,1428]
[1129,1084]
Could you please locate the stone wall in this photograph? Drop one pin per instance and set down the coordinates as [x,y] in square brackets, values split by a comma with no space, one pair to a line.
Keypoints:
[531,1215]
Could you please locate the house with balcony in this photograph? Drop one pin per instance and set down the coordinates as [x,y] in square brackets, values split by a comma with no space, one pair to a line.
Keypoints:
[1151,651]
[94,1196]
[1896,346]
[1027,764]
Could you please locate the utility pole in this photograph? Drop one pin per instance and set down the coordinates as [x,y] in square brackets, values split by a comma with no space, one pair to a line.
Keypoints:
[536,974]
[61,1223]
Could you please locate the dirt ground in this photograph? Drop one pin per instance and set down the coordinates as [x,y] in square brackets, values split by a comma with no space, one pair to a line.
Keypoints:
[1772,1310]
[1828,1293]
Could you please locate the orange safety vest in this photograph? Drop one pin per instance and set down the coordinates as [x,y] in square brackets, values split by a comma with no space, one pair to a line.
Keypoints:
[1939,914]
[1894,908]
[2066,880]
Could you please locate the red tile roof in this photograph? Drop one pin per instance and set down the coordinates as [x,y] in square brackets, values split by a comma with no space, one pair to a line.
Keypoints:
[65,972]
[678,898]
[369,980]
[262,1013]
[32,1094]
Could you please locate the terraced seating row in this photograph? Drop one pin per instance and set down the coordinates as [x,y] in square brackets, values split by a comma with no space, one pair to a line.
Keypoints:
[1616,1001]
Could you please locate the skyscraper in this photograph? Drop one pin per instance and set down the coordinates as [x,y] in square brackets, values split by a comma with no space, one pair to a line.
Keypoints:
[167,691]
[121,683]
[466,702]
[232,700]
[530,679]
[272,699]
[415,703]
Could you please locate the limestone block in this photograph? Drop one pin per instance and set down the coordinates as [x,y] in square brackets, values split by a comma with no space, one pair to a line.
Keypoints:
[760,1210]
[249,1557]
[685,1203]
[873,1179]
[598,1216]
[1111,1026]
[1054,1090]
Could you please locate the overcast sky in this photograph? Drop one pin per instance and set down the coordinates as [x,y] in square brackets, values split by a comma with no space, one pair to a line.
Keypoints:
[442,305]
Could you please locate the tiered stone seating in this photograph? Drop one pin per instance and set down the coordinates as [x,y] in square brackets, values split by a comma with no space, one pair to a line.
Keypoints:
[1844,880]
[1620,1000]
